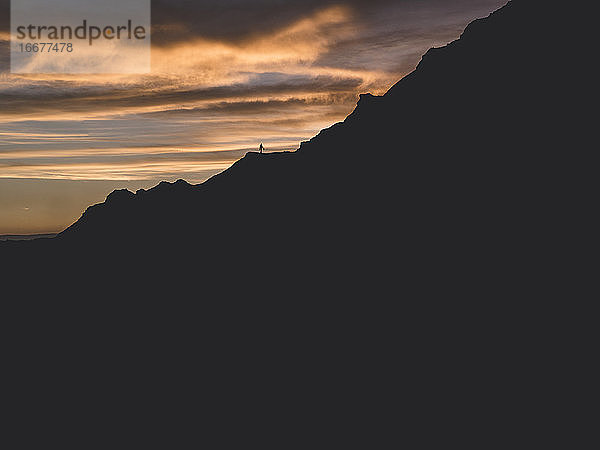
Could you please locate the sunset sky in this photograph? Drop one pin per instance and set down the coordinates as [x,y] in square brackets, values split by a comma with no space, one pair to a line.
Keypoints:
[226,76]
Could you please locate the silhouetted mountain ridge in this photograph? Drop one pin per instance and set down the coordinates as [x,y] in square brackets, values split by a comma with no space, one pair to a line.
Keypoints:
[401,267]
[454,146]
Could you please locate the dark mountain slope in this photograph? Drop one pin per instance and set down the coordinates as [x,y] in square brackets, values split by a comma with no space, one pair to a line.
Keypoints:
[458,151]
[389,282]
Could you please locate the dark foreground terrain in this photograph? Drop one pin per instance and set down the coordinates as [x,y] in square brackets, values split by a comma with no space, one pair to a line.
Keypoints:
[379,282]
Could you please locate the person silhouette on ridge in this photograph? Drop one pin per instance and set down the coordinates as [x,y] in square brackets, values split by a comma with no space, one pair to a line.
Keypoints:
[261,148]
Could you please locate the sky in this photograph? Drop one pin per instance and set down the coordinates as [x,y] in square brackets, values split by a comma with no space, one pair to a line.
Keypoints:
[226,75]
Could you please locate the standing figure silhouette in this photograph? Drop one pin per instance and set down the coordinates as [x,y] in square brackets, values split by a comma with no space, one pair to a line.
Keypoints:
[261,148]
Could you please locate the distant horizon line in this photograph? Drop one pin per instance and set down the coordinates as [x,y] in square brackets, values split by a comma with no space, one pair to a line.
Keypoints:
[24,237]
